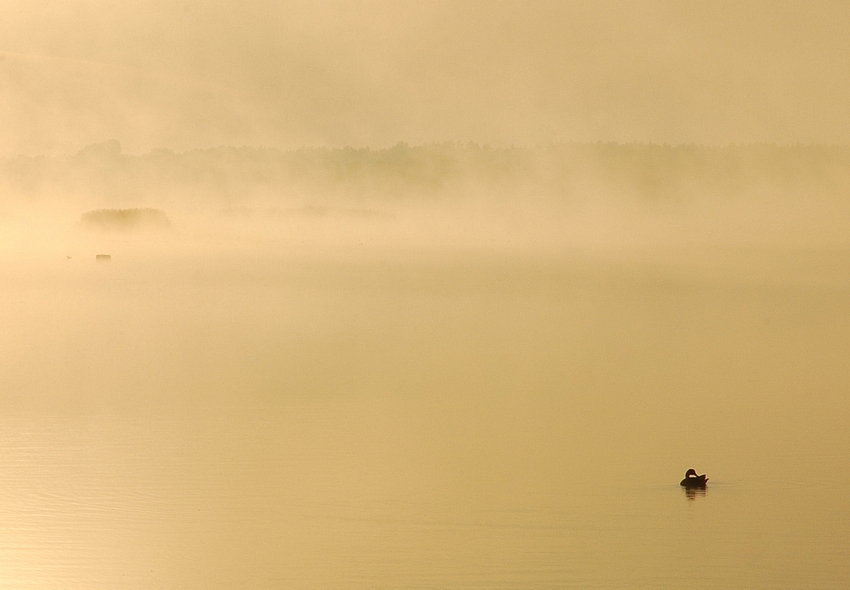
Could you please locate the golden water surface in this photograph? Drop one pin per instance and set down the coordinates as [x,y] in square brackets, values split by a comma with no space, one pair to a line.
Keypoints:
[476,420]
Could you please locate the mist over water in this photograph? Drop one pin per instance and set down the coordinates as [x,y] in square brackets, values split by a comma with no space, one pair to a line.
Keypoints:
[376,381]
[591,246]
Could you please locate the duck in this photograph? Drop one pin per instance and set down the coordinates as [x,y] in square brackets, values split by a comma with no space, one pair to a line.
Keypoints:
[692,480]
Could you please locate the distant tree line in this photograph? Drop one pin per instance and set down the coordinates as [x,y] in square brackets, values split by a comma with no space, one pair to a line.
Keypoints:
[227,174]
[122,220]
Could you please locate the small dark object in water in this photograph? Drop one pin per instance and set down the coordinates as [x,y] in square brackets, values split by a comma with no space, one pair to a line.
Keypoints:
[106,257]
[692,480]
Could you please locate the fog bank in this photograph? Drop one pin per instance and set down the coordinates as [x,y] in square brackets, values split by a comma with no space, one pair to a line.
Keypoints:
[203,74]
[436,197]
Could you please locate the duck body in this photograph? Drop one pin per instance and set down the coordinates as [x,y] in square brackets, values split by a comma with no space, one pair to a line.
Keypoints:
[692,480]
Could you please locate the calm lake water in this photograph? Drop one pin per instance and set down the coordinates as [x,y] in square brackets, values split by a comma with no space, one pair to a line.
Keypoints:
[463,421]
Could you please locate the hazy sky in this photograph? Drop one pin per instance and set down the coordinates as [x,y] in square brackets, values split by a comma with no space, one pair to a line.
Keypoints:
[184,74]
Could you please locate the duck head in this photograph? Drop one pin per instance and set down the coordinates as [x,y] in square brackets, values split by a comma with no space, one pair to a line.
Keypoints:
[691,473]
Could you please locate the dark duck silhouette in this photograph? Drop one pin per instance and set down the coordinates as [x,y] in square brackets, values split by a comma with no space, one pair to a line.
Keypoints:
[692,480]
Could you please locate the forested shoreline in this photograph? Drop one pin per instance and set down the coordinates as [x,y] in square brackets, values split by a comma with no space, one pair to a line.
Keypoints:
[650,172]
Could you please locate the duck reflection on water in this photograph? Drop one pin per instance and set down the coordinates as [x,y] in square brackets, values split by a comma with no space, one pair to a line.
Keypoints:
[693,493]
